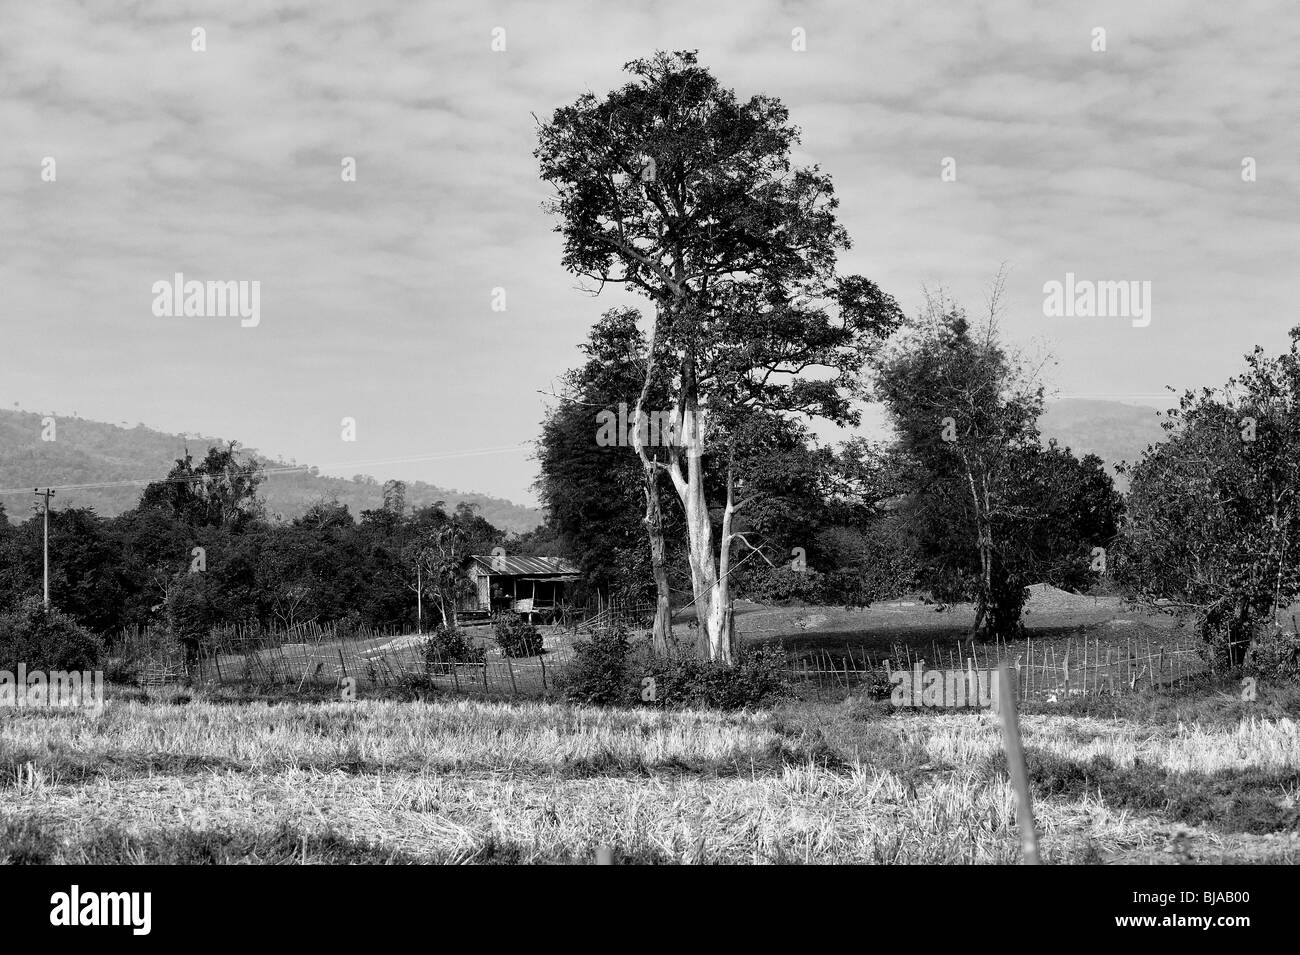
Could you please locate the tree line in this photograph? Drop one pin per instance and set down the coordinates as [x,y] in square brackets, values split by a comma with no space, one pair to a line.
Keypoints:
[197,554]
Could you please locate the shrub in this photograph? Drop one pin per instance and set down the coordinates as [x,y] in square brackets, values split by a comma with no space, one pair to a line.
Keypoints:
[348,626]
[782,584]
[1275,653]
[757,678]
[449,645]
[46,640]
[605,673]
[516,636]
[599,672]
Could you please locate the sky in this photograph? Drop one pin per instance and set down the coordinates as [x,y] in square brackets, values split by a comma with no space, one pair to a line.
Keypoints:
[1115,164]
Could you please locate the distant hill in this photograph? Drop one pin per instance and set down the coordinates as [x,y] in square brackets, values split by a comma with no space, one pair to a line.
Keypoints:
[1112,430]
[94,452]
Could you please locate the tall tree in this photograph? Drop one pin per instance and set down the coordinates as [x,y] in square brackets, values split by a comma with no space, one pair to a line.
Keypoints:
[1213,512]
[965,415]
[674,188]
[220,491]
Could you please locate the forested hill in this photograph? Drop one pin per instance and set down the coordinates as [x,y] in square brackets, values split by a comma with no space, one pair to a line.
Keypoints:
[95,452]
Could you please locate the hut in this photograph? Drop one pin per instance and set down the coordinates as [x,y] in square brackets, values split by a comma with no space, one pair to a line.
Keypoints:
[532,586]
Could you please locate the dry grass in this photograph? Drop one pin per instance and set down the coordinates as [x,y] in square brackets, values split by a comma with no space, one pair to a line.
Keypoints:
[491,782]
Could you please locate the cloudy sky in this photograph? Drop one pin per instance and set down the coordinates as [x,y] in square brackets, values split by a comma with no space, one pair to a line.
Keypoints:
[376,294]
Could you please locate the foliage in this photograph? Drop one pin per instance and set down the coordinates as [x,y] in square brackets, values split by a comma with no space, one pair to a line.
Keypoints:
[220,491]
[599,673]
[676,189]
[450,645]
[85,578]
[166,565]
[45,640]
[516,636]
[1213,515]
[1275,653]
[782,584]
[989,509]
[758,678]
[593,491]
[608,670]
[434,558]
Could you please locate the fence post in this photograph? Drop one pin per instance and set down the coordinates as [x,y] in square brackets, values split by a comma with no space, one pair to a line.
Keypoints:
[514,689]
[1016,764]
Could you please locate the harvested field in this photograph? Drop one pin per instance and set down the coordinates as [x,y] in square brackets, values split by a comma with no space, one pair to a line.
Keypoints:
[470,781]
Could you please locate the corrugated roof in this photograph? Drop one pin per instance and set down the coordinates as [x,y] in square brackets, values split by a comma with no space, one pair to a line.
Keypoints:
[533,566]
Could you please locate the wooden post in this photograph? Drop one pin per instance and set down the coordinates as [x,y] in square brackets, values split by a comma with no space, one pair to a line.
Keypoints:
[1016,764]
[604,855]
[514,690]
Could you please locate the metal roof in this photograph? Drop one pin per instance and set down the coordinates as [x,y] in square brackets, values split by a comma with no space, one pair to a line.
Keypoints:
[531,566]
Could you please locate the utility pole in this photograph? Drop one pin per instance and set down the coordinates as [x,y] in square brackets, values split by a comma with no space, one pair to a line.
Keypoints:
[47,494]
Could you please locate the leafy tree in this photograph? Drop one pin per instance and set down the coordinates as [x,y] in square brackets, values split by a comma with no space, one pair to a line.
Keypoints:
[1073,511]
[674,188]
[45,639]
[85,572]
[965,415]
[1213,519]
[395,497]
[220,491]
[436,555]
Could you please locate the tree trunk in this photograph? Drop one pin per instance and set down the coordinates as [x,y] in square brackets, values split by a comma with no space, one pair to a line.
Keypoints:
[654,522]
[709,586]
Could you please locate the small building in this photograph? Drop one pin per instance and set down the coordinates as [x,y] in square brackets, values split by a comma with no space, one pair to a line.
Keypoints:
[534,586]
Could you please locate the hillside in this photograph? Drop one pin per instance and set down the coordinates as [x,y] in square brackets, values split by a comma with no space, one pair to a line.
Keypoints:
[1112,430]
[94,452]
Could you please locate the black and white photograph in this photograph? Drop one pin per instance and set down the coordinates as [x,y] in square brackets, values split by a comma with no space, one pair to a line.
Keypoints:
[648,433]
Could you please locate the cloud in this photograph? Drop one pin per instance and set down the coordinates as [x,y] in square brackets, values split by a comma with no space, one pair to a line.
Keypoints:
[226,165]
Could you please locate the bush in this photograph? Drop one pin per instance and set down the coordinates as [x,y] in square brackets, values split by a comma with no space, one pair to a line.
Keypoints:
[758,678]
[449,645]
[516,636]
[348,626]
[599,672]
[46,640]
[783,584]
[605,672]
[1275,654]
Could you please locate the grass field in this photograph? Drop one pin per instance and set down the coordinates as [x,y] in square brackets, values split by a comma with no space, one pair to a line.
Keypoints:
[166,778]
